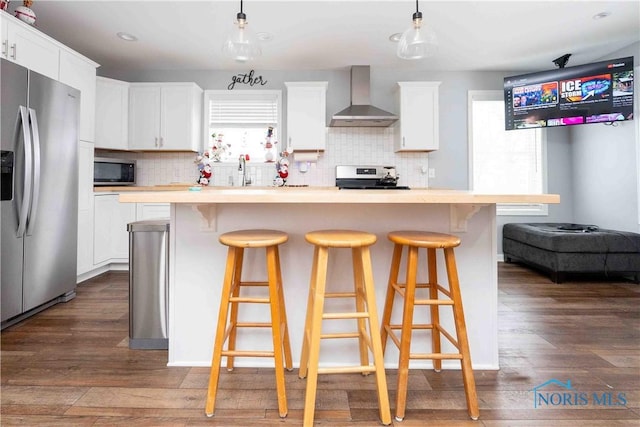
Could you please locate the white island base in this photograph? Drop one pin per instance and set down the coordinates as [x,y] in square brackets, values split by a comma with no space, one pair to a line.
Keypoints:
[198,261]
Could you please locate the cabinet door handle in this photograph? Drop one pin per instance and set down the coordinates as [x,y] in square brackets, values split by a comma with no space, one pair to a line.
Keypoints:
[403,143]
[14,56]
[161,142]
[156,141]
[5,50]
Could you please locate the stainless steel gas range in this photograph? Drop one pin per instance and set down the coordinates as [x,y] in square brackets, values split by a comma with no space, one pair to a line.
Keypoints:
[350,177]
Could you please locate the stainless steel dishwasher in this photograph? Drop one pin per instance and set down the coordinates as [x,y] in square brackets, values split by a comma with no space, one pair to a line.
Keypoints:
[148,284]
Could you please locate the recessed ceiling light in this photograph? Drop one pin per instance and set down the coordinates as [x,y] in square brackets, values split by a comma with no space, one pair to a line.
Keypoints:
[601,15]
[395,37]
[265,37]
[128,37]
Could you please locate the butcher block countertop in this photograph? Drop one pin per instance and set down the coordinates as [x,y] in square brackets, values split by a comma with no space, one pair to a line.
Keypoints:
[206,195]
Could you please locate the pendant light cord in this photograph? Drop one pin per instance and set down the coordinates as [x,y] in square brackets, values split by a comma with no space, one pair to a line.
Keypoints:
[417,11]
[242,11]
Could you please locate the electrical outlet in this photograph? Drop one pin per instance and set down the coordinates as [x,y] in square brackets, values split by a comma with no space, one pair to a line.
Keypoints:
[432,173]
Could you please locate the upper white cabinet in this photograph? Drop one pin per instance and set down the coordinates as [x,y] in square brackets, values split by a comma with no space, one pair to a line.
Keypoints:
[26,46]
[80,73]
[306,115]
[112,113]
[165,116]
[417,129]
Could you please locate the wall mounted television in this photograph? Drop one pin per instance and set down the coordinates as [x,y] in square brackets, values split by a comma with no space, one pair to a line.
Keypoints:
[592,93]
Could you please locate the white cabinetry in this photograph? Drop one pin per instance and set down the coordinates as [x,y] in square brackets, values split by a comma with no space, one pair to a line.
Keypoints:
[165,116]
[80,73]
[112,113]
[417,129]
[306,115]
[85,207]
[146,211]
[28,47]
[111,238]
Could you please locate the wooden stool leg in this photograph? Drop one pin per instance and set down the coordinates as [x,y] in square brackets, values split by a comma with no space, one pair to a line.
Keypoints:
[358,278]
[236,284]
[435,309]
[283,316]
[364,256]
[391,293]
[461,331]
[304,355]
[214,375]
[276,319]
[319,281]
[405,337]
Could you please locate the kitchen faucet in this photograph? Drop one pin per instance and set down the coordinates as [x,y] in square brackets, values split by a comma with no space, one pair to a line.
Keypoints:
[242,171]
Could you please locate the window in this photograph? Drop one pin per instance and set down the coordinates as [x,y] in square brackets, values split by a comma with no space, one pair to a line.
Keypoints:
[238,123]
[500,161]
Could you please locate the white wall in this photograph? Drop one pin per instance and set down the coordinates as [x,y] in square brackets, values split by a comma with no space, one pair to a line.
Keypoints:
[605,169]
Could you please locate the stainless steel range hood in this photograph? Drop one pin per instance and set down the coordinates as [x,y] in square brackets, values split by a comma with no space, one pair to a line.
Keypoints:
[361,112]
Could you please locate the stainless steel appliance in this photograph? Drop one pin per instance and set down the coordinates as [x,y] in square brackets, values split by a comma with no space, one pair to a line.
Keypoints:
[360,112]
[113,172]
[148,284]
[39,206]
[368,178]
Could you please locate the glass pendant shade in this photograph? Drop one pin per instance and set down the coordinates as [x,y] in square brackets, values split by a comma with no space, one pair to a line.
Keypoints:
[417,41]
[241,44]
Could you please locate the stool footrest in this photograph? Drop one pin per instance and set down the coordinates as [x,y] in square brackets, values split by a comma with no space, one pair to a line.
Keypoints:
[432,356]
[247,353]
[253,325]
[249,300]
[340,335]
[433,302]
[420,326]
[400,287]
[347,370]
[356,315]
[254,283]
[339,294]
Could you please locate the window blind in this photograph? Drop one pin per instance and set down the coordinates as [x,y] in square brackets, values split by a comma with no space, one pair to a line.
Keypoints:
[257,110]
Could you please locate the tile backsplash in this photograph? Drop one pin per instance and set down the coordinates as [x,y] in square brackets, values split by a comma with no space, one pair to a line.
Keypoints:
[345,146]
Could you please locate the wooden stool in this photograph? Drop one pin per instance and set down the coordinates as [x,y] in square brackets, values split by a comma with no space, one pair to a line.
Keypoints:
[364,294]
[237,241]
[431,241]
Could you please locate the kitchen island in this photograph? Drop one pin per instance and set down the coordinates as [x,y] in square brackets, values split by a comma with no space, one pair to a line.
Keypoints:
[197,259]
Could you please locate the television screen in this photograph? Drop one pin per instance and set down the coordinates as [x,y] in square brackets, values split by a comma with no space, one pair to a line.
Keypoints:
[591,93]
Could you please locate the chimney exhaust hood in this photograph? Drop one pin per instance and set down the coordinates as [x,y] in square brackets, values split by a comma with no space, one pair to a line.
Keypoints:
[361,112]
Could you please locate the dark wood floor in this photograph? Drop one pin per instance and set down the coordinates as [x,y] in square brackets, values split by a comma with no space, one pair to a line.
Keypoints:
[71,366]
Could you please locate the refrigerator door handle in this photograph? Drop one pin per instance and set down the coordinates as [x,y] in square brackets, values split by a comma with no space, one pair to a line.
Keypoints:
[23,116]
[33,119]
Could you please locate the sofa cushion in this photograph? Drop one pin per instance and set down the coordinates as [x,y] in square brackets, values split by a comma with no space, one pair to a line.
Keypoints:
[565,237]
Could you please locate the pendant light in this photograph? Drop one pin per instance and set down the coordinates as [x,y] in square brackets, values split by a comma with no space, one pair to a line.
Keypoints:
[241,45]
[417,41]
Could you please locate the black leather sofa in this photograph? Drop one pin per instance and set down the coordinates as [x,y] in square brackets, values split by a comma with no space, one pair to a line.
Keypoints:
[561,249]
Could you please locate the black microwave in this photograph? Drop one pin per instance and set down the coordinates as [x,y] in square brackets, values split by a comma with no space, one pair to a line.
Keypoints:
[113,171]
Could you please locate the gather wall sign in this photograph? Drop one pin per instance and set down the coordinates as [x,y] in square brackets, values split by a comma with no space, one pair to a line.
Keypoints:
[249,79]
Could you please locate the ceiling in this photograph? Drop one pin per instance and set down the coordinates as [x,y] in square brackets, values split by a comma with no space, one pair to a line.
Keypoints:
[512,35]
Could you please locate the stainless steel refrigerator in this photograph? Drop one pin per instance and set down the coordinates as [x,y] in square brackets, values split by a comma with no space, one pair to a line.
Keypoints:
[39,183]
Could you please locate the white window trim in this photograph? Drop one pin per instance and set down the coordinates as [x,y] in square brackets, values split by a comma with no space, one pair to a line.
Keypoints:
[505,209]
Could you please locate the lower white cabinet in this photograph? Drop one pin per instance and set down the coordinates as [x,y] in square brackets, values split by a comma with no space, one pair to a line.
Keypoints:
[111,238]
[146,211]
[85,207]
